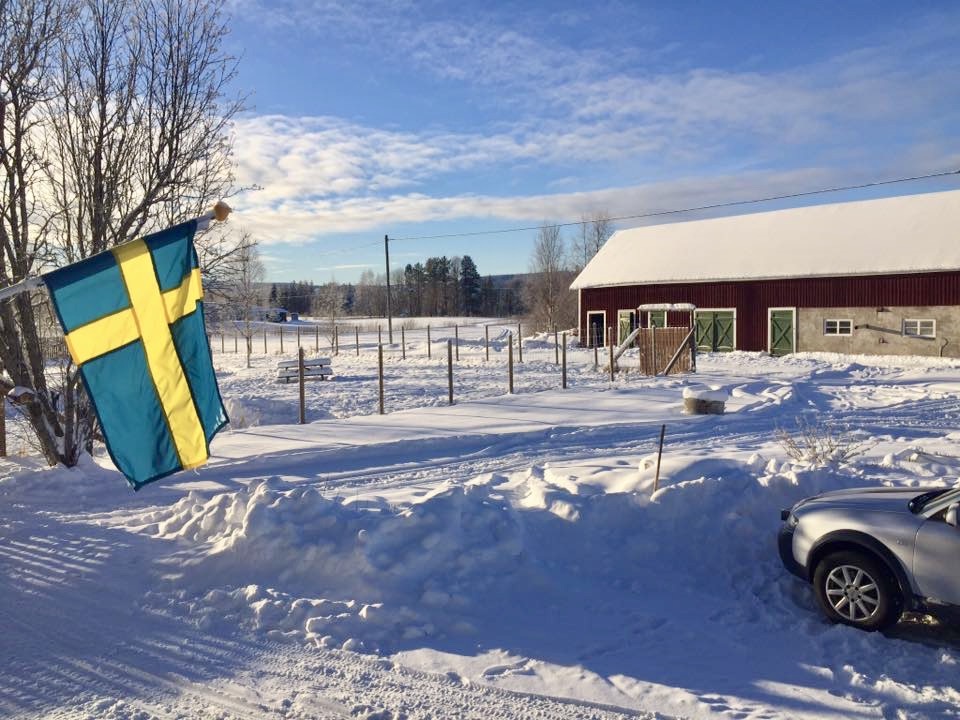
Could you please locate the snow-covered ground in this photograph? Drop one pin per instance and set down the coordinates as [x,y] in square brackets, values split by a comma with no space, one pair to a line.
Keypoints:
[504,557]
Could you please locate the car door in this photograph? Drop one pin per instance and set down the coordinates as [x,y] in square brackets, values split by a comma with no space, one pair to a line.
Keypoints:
[935,561]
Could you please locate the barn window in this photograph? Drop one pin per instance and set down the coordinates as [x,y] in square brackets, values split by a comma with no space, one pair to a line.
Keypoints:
[838,327]
[920,328]
[657,318]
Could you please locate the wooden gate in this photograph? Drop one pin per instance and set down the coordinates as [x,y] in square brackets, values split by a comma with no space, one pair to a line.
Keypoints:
[658,346]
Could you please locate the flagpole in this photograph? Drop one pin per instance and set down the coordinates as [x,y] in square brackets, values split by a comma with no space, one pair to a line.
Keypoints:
[25,285]
[219,213]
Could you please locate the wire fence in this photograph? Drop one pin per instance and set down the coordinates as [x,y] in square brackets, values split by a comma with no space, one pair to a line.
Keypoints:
[469,341]
[486,341]
[425,365]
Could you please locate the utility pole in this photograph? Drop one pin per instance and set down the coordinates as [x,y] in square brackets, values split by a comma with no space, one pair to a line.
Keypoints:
[386,252]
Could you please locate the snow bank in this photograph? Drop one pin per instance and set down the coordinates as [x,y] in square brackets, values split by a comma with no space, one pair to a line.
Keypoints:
[350,576]
[287,561]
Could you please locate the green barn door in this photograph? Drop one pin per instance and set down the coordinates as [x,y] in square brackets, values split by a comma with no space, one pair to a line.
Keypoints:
[781,332]
[715,330]
[704,331]
[723,324]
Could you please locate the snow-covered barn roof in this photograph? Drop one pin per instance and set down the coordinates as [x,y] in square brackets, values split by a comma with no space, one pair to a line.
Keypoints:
[913,233]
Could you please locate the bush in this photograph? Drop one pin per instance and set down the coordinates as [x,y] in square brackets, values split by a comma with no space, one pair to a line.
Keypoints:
[820,443]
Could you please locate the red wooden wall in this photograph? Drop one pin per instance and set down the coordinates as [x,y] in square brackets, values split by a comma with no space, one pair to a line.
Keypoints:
[752,298]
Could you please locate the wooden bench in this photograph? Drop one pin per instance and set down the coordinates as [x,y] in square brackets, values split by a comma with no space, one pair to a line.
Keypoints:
[313,369]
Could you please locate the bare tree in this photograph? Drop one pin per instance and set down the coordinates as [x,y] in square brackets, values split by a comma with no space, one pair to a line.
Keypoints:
[139,134]
[244,293]
[114,121]
[28,33]
[547,295]
[594,230]
[329,304]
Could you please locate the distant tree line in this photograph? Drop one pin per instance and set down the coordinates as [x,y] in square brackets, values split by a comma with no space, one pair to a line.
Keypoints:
[295,297]
[452,286]
[440,286]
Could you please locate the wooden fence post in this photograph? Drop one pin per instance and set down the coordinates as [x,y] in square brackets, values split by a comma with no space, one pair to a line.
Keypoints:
[450,372]
[510,362]
[563,368]
[299,345]
[428,343]
[610,345]
[236,342]
[281,339]
[336,339]
[316,338]
[403,342]
[300,371]
[456,335]
[656,479]
[653,351]
[486,341]
[264,341]
[380,373]
[223,347]
[356,330]
[379,334]
[3,426]
[519,344]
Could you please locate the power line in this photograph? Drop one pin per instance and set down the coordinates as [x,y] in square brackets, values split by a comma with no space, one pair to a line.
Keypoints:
[661,213]
[343,251]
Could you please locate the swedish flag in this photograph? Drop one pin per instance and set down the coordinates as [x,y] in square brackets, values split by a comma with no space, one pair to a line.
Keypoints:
[133,320]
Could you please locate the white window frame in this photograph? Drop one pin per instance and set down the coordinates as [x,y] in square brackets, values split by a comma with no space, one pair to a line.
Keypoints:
[589,334]
[918,334]
[838,333]
[770,312]
[632,311]
[726,309]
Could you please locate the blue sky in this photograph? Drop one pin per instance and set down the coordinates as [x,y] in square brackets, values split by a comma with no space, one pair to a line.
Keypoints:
[410,119]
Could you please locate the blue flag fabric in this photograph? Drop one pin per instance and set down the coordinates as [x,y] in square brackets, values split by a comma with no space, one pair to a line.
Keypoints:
[133,323]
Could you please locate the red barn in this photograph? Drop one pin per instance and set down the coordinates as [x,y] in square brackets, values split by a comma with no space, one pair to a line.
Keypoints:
[873,276]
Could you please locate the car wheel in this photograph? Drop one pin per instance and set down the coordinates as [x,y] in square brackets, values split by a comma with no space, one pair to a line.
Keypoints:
[855,589]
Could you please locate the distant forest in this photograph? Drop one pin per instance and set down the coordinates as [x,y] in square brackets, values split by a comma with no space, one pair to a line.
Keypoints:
[441,286]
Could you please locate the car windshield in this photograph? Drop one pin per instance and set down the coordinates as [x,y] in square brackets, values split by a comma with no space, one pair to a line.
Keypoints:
[944,496]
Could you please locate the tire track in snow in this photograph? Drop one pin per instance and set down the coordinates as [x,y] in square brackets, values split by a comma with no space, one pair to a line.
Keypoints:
[576,443]
[81,662]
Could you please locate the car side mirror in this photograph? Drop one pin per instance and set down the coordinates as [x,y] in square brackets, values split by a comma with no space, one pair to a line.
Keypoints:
[951,516]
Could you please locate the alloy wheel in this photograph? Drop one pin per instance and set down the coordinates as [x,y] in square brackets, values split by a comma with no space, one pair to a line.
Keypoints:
[853,593]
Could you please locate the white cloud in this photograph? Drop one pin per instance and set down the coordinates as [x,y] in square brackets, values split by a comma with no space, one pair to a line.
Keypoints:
[586,109]
[309,219]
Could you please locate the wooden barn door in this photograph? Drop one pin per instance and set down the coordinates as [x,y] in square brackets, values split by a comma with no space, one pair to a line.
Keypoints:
[716,330]
[782,324]
[704,331]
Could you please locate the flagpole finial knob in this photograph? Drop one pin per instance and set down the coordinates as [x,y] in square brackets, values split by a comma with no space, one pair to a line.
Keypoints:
[221,210]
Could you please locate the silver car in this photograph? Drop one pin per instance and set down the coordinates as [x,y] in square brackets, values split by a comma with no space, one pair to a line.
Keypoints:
[872,553]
